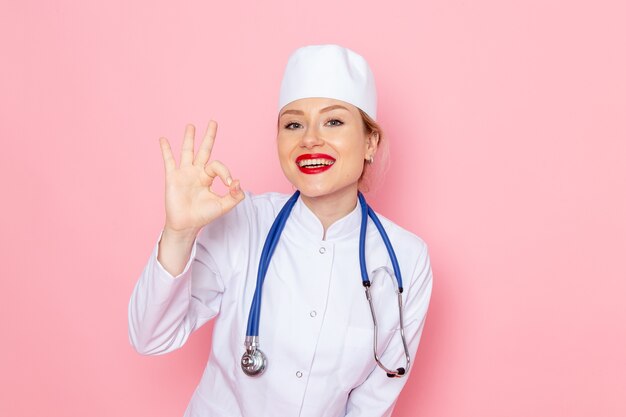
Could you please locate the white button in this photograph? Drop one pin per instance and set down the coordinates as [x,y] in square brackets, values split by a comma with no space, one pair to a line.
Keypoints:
[313,313]
[299,374]
[322,250]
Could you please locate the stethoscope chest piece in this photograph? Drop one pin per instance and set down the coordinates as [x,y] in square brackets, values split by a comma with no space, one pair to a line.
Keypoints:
[253,362]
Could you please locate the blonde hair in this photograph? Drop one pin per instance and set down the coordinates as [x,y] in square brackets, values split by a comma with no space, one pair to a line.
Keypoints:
[371,127]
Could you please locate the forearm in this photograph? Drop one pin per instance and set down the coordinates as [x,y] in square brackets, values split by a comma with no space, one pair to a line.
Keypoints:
[378,394]
[158,309]
[376,397]
[174,250]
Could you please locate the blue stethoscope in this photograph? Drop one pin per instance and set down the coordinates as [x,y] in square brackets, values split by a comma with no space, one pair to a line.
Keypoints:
[254,361]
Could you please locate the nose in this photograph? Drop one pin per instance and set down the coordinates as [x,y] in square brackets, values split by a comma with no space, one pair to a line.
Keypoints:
[311,137]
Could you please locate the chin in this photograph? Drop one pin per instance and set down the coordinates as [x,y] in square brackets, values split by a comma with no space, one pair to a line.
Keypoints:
[312,191]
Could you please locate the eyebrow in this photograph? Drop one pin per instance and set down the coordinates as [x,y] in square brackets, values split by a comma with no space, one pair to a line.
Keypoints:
[324,110]
[297,112]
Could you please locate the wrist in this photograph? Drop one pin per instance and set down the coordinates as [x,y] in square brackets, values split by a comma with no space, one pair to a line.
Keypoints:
[186,235]
[175,248]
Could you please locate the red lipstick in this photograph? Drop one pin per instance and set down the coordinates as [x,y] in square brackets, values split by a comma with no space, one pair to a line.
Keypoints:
[314,163]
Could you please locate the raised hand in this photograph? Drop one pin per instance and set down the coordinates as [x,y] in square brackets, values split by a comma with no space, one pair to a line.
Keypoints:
[189,202]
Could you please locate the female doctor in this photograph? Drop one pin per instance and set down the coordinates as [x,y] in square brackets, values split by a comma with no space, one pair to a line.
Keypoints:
[311,316]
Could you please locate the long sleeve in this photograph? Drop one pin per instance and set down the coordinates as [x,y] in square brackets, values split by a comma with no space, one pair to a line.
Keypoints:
[164,310]
[377,396]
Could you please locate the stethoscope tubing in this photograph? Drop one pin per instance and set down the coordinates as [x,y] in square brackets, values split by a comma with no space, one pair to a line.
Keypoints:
[269,247]
[366,211]
[254,361]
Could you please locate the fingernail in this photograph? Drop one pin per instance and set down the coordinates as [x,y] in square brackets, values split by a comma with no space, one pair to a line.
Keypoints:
[229,181]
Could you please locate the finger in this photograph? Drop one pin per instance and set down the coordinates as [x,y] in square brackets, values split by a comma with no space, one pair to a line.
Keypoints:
[217,169]
[204,153]
[235,196]
[186,154]
[235,190]
[168,157]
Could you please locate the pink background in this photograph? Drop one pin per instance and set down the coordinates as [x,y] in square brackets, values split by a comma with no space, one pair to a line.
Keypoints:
[508,156]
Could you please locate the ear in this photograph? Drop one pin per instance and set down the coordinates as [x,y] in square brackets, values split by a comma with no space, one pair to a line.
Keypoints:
[372,143]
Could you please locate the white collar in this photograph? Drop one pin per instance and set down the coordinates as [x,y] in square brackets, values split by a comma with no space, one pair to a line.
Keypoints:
[343,228]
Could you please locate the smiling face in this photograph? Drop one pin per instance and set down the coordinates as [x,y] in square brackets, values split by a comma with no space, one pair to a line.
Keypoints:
[322,146]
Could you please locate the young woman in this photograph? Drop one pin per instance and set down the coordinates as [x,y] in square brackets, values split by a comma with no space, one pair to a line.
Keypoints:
[319,303]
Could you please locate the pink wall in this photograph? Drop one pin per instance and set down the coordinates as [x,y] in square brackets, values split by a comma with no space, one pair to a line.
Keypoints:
[508,152]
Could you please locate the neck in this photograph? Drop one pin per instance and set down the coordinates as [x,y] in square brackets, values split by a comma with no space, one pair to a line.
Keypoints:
[331,207]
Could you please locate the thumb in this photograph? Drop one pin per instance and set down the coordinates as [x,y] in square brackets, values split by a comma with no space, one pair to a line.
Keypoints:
[235,196]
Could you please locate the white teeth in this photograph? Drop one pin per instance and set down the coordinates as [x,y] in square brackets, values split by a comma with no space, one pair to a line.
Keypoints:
[317,161]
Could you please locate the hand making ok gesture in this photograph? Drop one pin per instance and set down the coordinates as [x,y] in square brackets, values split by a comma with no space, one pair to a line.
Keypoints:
[189,202]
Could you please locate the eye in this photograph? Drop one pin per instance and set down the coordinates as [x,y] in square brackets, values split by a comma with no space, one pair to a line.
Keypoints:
[293,125]
[334,122]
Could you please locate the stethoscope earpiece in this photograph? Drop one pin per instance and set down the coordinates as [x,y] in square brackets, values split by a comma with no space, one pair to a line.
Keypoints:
[398,374]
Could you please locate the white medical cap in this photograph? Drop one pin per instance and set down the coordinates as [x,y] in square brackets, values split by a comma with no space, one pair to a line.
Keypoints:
[329,71]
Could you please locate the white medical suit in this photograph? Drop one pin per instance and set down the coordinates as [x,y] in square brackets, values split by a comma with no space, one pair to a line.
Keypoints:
[315,328]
